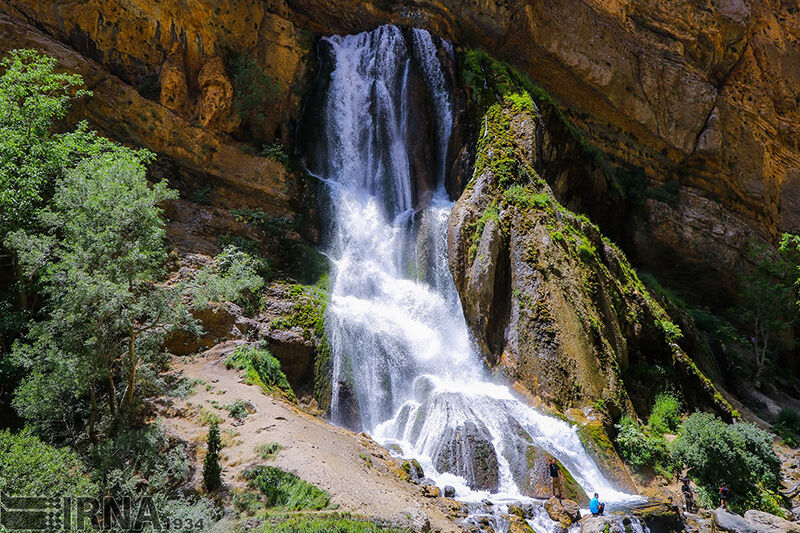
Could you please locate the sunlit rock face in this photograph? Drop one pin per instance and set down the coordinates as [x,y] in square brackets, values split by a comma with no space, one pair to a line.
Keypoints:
[702,94]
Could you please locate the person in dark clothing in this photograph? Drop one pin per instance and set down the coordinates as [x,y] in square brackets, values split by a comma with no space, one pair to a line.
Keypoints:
[688,494]
[555,477]
[723,496]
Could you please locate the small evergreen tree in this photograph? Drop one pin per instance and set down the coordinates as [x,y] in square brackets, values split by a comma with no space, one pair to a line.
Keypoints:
[212,470]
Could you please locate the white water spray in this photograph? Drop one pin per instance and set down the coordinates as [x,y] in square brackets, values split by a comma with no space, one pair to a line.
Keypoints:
[404,367]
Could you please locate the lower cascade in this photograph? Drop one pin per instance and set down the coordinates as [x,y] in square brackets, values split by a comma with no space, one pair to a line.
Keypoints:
[404,367]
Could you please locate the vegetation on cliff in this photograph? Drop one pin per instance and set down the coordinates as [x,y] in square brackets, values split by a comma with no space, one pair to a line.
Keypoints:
[560,249]
[85,231]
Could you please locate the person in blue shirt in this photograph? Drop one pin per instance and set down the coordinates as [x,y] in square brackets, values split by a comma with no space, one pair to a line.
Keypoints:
[596,506]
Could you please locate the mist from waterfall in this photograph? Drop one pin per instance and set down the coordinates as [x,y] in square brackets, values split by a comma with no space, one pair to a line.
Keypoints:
[404,367]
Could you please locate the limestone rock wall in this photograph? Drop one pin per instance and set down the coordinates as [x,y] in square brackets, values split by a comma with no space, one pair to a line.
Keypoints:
[703,95]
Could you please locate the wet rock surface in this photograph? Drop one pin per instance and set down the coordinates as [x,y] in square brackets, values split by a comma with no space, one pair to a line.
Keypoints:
[467,451]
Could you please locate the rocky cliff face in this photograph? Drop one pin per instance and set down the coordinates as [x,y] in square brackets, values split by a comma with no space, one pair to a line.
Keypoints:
[551,301]
[701,96]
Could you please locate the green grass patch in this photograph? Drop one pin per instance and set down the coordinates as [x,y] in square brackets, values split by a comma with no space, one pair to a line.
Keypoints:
[337,523]
[261,368]
[523,196]
[285,490]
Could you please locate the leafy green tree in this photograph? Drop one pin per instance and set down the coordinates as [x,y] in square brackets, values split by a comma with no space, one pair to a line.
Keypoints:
[768,299]
[100,257]
[740,455]
[212,470]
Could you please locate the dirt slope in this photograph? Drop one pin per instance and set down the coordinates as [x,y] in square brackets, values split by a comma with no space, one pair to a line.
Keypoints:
[351,467]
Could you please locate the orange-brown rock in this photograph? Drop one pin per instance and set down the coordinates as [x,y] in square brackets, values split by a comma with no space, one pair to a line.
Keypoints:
[237,177]
[704,93]
[174,89]
[216,95]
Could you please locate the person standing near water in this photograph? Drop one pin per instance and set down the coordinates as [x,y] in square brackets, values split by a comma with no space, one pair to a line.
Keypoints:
[555,477]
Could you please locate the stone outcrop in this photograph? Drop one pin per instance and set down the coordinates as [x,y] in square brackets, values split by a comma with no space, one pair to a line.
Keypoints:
[768,523]
[550,300]
[467,451]
[565,512]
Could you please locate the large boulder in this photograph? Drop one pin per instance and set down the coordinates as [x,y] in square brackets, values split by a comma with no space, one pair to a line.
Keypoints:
[467,451]
[769,523]
[602,524]
[565,512]
[546,295]
[725,520]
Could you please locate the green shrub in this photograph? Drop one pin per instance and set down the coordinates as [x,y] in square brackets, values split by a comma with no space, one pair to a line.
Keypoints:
[672,332]
[276,152]
[30,467]
[238,409]
[586,251]
[642,448]
[285,490]
[253,90]
[233,277]
[212,470]
[262,265]
[740,455]
[268,450]
[665,416]
[327,524]
[261,368]
[787,426]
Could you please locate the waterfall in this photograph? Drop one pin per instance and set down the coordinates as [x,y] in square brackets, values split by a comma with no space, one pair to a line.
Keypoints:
[404,367]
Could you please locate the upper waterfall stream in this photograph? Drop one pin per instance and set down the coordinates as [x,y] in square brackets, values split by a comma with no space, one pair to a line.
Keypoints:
[404,367]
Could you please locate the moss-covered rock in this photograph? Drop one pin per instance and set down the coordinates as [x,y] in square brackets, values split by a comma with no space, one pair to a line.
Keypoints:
[547,296]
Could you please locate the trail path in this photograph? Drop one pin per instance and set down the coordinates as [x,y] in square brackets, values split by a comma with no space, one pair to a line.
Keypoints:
[356,472]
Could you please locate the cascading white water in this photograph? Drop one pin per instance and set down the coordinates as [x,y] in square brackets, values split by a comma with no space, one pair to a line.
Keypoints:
[404,368]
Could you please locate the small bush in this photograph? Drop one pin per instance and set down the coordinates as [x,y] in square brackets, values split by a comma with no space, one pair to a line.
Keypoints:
[268,450]
[665,417]
[672,332]
[586,251]
[212,470]
[276,152]
[208,418]
[238,409]
[285,490]
[787,426]
[232,278]
[261,368]
[262,265]
[641,448]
